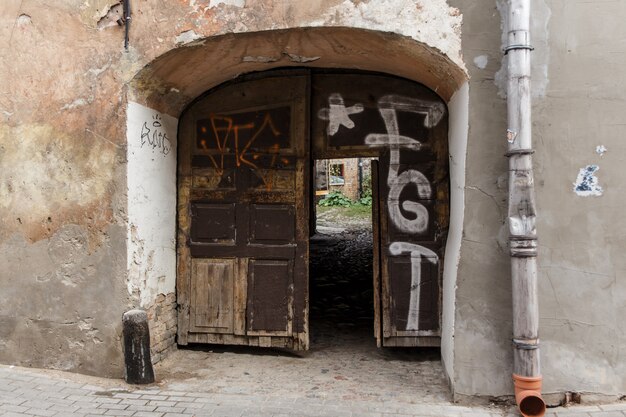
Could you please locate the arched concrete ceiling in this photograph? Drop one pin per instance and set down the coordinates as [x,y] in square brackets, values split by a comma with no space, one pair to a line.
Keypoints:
[177,77]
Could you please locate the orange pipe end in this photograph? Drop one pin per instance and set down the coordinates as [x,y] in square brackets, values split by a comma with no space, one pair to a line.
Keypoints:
[528,395]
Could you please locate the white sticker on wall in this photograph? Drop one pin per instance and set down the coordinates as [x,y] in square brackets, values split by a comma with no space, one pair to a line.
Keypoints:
[586,184]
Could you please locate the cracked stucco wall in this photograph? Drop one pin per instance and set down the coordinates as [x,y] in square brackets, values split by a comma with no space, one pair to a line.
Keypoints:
[576,78]
[62,205]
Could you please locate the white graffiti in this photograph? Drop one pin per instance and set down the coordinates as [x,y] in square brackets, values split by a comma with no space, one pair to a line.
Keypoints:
[388,107]
[338,114]
[433,112]
[416,252]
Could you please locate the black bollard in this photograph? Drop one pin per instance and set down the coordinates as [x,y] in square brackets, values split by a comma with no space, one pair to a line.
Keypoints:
[137,348]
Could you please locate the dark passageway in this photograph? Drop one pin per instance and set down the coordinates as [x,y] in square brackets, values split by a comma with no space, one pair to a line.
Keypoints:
[341,289]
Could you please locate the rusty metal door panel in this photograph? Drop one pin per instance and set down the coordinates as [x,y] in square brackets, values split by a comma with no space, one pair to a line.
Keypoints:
[405,125]
[243,188]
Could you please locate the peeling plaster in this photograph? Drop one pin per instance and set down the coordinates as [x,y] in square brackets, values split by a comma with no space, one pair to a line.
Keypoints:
[187,37]
[97,13]
[97,71]
[79,102]
[236,3]
[262,59]
[586,184]
[431,22]
[481,61]
[151,153]
[23,20]
[113,17]
[6,115]
[300,58]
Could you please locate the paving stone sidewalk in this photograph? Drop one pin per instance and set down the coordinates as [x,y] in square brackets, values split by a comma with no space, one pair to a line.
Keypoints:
[31,392]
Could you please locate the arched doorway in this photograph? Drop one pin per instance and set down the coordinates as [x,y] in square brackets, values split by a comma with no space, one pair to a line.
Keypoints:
[244,175]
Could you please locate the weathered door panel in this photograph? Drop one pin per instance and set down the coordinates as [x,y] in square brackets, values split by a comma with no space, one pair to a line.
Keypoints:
[243,199]
[376,262]
[270,297]
[405,125]
[415,309]
[212,309]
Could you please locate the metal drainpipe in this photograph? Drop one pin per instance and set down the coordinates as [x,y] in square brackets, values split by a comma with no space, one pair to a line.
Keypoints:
[522,214]
[127,19]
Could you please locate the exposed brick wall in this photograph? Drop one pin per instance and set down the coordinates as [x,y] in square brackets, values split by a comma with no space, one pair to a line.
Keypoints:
[162,319]
[351,177]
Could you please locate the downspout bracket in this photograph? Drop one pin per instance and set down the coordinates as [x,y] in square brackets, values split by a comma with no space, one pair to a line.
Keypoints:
[526,344]
[515,152]
[520,46]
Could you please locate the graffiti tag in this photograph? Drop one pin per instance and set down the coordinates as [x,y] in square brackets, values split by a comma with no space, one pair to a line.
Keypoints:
[225,130]
[154,135]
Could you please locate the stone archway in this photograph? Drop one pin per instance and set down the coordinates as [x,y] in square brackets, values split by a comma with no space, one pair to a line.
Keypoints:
[160,92]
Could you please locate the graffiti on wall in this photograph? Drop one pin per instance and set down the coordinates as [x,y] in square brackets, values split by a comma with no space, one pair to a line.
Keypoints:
[153,135]
[418,220]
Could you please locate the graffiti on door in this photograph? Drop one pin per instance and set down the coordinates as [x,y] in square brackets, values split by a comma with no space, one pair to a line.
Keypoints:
[409,216]
[251,139]
[338,114]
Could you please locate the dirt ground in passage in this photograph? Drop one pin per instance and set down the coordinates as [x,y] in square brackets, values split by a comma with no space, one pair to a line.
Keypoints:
[343,362]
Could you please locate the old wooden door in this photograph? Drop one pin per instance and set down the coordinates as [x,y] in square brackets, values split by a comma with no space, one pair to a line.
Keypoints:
[404,124]
[243,215]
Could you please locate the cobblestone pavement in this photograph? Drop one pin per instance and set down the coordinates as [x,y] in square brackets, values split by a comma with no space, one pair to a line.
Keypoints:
[30,392]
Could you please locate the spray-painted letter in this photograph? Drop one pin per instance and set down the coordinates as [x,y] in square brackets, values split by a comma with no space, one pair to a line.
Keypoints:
[338,114]
[416,251]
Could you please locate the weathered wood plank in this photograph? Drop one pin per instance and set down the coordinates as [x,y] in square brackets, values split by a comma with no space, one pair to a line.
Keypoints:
[212,308]
[240,295]
[376,264]
[412,341]
[183,269]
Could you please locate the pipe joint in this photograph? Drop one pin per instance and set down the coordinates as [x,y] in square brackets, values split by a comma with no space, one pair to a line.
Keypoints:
[519,152]
[523,246]
[528,395]
[518,46]
[526,344]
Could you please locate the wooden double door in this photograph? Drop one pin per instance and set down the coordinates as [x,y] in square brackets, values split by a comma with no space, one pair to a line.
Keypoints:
[245,157]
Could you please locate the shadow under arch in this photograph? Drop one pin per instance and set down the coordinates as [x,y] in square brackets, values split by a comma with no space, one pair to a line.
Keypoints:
[172,81]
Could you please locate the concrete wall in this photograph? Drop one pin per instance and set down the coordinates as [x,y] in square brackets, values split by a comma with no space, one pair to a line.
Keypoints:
[73,264]
[577,80]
